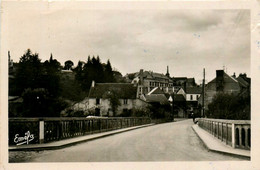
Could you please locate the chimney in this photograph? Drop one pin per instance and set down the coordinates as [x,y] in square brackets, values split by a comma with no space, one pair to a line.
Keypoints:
[234,75]
[93,83]
[141,76]
[220,80]
[167,73]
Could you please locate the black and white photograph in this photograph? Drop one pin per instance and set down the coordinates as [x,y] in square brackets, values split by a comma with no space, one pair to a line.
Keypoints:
[128,82]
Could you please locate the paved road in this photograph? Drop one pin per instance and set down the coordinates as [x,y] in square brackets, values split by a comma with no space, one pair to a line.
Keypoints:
[164,142]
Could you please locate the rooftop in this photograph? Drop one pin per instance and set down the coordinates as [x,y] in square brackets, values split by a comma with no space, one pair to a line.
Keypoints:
[122,90]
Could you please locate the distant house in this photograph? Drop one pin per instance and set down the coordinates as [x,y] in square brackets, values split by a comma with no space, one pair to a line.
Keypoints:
[179,102]
[184,82]
[191,95]
[222,83]
[156,96]
[99,102]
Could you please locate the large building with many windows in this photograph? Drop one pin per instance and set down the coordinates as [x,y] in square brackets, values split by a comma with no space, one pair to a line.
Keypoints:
[148,80]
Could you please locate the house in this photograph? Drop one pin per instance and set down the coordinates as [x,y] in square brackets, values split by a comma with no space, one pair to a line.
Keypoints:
[184,82]
[156,96]
[222,83]
[179,104]
[148,80]
[191,95]
[99,99]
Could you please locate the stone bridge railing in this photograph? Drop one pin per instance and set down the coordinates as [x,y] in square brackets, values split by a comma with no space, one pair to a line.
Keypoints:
[236,133]
[43,130]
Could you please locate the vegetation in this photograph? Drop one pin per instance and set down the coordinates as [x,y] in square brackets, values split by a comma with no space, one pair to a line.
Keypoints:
[158,111]
[113,101]
[68,65]
[46,91]
[229,106]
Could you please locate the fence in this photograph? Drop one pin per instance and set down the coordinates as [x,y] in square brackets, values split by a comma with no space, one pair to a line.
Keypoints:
[236,133]
[43,130]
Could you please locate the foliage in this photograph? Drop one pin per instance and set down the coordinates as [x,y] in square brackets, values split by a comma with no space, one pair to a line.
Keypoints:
[29,72]
[44,88]
[70,89]
[93,69]
[113,101]
[39,103]
[229,106]
[68,65]
[141,112]
[158,111]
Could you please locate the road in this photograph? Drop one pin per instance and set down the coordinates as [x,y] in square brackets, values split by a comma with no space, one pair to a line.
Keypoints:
[175,141]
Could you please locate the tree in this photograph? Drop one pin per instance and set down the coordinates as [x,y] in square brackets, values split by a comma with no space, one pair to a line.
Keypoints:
[229,106]
[29,72]
[38,103]
[109,75]
[68,65]
[51,76]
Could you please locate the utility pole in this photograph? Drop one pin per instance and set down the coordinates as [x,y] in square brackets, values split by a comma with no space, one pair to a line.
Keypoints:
[203,94]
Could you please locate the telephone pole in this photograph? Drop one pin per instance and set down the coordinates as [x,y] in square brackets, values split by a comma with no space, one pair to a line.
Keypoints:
[203,94]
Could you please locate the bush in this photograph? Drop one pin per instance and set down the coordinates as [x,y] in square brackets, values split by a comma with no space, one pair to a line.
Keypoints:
[39,103]
[229,106]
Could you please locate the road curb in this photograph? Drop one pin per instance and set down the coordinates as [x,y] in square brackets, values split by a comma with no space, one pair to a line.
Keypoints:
[218,151]
[54,147]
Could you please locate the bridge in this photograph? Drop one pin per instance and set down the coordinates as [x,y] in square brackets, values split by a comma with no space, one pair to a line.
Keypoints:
[173,141]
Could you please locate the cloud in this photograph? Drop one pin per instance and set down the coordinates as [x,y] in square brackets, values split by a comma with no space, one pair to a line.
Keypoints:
[186,40]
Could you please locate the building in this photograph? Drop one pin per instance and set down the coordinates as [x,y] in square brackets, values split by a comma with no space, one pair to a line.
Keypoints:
[179,104]
[222,83]
[191,96]
[184,82]
[148,80]
[155,96]
[99,99]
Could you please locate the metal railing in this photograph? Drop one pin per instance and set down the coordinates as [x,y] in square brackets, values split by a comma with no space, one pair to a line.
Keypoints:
[45,130]
[236,133]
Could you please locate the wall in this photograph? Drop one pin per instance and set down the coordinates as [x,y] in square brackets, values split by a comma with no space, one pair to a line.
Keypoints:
[194,97]
[104,105]
[230,86]
[181,91]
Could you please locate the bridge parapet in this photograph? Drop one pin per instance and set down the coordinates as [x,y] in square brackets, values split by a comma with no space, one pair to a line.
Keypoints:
[236,133]
[44,130]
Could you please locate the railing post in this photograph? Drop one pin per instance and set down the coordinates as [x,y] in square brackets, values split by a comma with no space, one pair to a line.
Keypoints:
[233,136]
[246,137]
[240,136]
[41,131]
[221,131]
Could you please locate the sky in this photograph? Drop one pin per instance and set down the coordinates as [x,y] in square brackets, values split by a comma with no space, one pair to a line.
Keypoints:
[132,39]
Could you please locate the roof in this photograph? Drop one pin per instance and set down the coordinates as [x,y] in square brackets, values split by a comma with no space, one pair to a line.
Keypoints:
[179,98]
[156,90]
[156,98]
[242,82]
[227,79]
[150,74]
[190,80]
[180,78]
[122,90]
[15,99]
[193,90]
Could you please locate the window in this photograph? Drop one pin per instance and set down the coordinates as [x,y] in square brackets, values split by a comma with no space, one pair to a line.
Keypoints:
[197,97]
[97,101]
[97,112]
[191,97]
[125,101]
